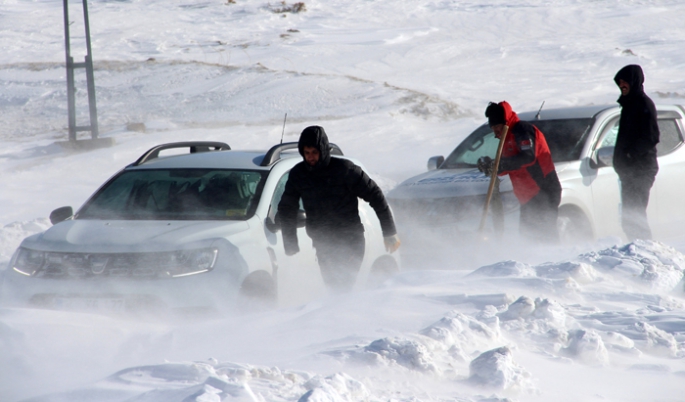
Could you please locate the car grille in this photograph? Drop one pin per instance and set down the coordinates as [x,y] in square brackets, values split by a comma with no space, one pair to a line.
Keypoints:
[183,262]
[130,265]
[77,265]
[459,213]
[438,211]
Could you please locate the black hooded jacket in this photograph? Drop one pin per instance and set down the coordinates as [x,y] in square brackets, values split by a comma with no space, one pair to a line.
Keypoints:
[638,132]
[329,192]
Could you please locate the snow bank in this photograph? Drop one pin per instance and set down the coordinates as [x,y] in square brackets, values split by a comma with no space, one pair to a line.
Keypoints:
[449,348]
[506,268]
[609,318]
[645,263]
[588,347]
[496,369]
[470,345]
[216,382]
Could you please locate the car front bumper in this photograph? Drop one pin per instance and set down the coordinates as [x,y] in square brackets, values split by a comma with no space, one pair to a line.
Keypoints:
[209,290]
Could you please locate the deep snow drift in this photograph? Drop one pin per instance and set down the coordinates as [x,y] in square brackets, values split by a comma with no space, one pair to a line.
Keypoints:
[393,83]
[565,331]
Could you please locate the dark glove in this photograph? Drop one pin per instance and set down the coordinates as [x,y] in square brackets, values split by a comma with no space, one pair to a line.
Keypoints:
[485,165]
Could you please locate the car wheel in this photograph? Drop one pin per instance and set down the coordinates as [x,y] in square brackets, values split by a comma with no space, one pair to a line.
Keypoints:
[257,292]
[383,268]
[574,226]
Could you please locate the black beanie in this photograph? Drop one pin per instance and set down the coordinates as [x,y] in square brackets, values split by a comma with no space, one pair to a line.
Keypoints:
[495,114]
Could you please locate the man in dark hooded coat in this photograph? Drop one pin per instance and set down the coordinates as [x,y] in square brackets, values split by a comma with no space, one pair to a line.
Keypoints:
[329,188]
[635,152]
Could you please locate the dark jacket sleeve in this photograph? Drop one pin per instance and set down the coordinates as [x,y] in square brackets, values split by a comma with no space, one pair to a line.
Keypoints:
[524,134]
[647,130]
[287,213]
[365,188]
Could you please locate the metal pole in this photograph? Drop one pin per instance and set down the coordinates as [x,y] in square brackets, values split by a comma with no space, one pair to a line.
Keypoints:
[90,77]
[91,98]
[71,100]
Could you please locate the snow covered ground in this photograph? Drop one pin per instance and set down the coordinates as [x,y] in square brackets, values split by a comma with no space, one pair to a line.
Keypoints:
[393,83]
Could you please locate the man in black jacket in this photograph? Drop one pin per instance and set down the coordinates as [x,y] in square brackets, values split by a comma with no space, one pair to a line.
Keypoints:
[329,188]
[635,153]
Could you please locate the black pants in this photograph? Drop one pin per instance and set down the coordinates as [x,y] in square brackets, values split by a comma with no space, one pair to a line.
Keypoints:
[340,258]
[634,200]
[539,215]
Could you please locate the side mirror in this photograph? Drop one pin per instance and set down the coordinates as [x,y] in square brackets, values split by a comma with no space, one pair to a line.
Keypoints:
[271,225]
[61,214]
[605,157]
[435,162]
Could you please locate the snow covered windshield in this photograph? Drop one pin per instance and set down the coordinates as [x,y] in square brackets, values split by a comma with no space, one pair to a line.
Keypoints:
[565,138]
[177,194]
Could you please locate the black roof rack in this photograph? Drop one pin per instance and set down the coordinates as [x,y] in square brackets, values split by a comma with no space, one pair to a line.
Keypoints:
[195,146]
[274,154]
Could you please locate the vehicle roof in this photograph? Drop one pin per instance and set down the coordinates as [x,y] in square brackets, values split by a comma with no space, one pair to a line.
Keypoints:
[573,112]
[229,159]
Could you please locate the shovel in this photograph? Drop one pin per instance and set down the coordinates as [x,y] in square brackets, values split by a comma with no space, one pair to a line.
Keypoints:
[498,217]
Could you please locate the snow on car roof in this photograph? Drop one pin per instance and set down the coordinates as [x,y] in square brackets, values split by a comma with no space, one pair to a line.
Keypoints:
[233,159]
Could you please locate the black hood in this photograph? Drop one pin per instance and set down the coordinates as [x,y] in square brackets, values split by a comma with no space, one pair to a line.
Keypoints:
[633,75]
[315,136]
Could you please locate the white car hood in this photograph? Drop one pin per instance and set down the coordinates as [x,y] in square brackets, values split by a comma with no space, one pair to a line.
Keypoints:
[130,236]
[446,183]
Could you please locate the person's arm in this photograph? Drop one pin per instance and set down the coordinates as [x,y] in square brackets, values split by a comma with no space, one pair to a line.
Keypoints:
[287,216]
[367,189]
[524,135]
[647,130]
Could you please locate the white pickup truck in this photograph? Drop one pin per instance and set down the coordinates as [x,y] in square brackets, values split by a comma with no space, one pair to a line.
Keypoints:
[450,196]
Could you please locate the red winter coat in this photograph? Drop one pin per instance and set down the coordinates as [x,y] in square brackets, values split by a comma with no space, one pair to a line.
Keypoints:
[526,159]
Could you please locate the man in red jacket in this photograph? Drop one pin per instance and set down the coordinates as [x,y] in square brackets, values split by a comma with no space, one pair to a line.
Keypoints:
[528,162]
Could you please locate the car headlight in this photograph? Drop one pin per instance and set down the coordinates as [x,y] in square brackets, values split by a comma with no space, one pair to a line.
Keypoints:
[28,262]
[191,262]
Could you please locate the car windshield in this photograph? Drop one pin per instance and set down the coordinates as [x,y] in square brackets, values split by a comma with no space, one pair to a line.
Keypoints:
[565,138]
[177,194]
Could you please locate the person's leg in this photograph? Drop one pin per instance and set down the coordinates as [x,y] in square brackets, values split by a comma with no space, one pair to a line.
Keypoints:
[340,259]
[538,219]
[550,215]
[527,219]
[634,200]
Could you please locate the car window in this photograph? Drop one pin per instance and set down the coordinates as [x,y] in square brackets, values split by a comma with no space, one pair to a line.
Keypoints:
[670,136]
[608,137]
[278,193]
[481,142]
[177,194]
[565,138]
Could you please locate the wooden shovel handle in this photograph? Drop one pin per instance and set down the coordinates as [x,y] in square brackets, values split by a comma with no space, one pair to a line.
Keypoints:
[493,177]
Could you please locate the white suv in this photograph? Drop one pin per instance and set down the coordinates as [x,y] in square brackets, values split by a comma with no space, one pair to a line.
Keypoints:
[186,231]
[581,139]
